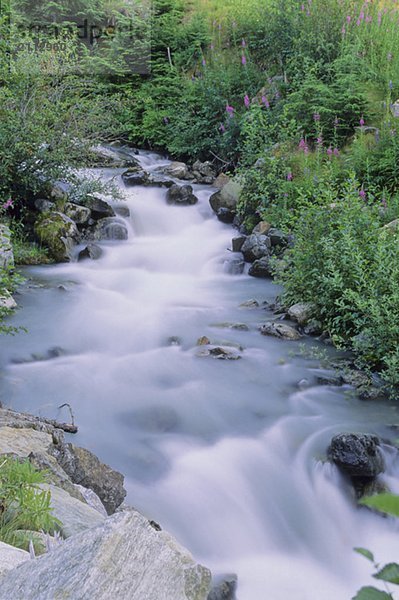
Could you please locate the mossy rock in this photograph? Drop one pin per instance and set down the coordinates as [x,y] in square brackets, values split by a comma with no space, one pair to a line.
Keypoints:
[58,233]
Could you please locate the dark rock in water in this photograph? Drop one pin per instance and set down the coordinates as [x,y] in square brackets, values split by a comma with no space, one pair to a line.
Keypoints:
[79,214]
[280,330]
[261,268]
[357,454]
[92,252]
[122,211]
[234,265]
[99,208]
[237,243]
[225,215]
[84,468]
[250,304]
[181,195]
[54,352]
[219,353]
[135,176]
[174,340]
[227,197]
[112,228]
[256,246]
[224,588]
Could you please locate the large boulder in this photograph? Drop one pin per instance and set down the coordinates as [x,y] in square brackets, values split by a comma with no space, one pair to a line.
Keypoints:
[357,454]
[58,233]
[280,330]
[11,557]
[22,442]
[7,301]
[79,214]
[261,268]
[91,251]
[226,198]
[125,557]
[75,516]
[99,208]
[6,252]
[203,172]
[179,170]
[107,156]
[302,312]
[110,228]
[181,195]
[84,468]
[256,246]
[135,176]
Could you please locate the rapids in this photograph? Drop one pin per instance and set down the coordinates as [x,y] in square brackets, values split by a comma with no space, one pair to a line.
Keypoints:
[226,455]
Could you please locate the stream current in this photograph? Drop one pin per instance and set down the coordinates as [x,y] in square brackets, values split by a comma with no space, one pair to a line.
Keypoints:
[226,455]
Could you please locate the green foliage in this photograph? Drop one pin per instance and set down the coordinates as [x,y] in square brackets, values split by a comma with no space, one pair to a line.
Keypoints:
[386,503]
[23,505]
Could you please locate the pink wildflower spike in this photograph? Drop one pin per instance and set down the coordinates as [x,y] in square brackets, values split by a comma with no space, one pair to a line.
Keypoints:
[8,204]
[336,152]
[247,101]
[243,43]
[243,60]
[329,151]
[222,128]
[348,19]
[229,110]
[266,101]
[289,176]
[361,122]
[362,193]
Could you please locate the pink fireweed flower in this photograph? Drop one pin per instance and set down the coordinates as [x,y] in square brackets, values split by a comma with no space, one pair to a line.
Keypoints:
[361,122]
[343,30]
[316,116]
[8,204]
[329,151]
[362,193]
[303,146]
[369,19]
[348,19]
[336,152]
[289,176]
[243,43]
[302,7]
[222,128]
[247,101]
[379,18]
[203,62]
[319,141]
[229,110]
[243,60]
[266,101]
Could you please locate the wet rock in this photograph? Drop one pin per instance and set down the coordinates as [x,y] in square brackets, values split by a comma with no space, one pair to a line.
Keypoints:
[174,340]
[51,353]
[327,377]
[92,252]
[86,469]
[221,180]
[250,304]
[314,327]
[11,557]
[181,195]
[261,268]
[302,313]
[237,243]
[58,233]
[111,228]
[98,207]
[262,228]
[356,454]
[225,215]
[108,156]
[237,326]
[43,205]
[123,558]
[219,353]
[203,172]
[6,251]
[54,473]
[122,211]
[91,499]
[22,442]
[227,197]
[203,341]
[177,169]
[79,214]
[280,330]
[234,265]
[224,588]
[256,246]
[135,176]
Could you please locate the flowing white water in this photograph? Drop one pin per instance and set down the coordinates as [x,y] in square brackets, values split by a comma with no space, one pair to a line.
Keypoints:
[226,455]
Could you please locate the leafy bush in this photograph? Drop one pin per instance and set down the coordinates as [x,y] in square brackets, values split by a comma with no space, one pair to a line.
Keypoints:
[23,505]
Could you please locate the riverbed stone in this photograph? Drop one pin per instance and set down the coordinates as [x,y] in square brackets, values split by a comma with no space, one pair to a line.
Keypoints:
[6,251]
[135,176]
[99,208]
[122,558]
[79,214]
[227,197]
[277,237]
[256,246]
[225,215]
[181,195]
[261,268]
[204,172]
[224,588]
[84,468]
[221,180]
[11,557]
[7,301]
[218,353]
[58,233]
[280,330]
[110,228]
[235,264]
[356,454]
[302,312]
[176,169]
[262,228]
[237,243]
[91,251]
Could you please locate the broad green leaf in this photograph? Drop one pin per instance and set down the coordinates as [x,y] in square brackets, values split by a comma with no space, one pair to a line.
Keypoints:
[371,593]
[366,553]
[386,503]
[389,573]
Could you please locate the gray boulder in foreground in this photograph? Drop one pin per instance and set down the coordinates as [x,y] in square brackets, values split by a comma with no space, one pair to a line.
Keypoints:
[11,557]
[124,558]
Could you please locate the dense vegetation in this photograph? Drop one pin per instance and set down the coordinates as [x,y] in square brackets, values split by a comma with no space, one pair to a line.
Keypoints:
[292,97]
